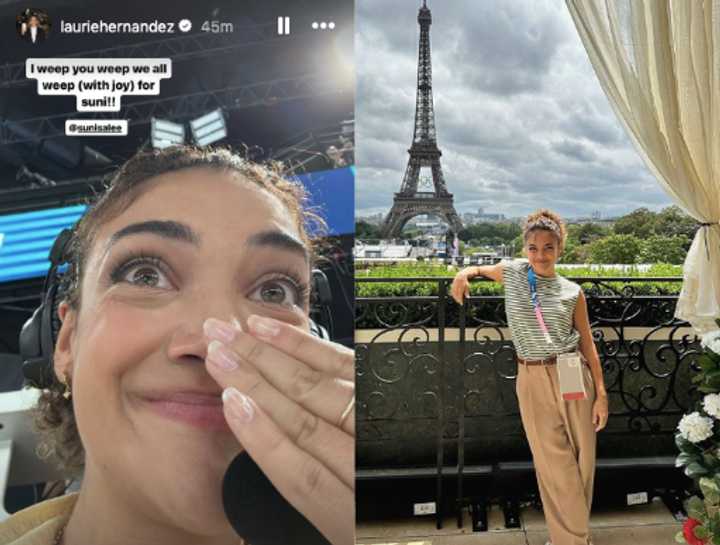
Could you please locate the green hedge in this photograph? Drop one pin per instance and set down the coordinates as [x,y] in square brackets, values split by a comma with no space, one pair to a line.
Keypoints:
[411,270]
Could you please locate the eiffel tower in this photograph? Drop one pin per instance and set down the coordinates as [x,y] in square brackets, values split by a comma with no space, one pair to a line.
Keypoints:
[415,198]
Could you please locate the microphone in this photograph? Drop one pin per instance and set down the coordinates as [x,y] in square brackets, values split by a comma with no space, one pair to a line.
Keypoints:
[259,513]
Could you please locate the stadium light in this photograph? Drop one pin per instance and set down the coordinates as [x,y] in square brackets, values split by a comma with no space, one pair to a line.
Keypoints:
[165,133]
[209,128]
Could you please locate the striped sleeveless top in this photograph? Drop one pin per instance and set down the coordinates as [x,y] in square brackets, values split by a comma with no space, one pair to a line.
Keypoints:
[557,296]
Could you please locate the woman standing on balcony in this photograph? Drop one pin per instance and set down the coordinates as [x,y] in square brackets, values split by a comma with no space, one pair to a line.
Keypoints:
[547,315]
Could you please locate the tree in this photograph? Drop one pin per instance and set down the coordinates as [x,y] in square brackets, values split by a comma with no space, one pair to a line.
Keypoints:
[574,252]
[640,223]
[408,234]
[661,249]
[491,234]
[517,246]
[621,249]
[366,231]
[587,232]
[672,221]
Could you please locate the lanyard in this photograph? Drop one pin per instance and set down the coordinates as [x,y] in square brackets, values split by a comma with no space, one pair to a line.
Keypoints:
[532,280]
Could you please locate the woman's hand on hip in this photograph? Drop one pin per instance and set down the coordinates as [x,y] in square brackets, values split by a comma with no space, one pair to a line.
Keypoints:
[289,398]
[600,412]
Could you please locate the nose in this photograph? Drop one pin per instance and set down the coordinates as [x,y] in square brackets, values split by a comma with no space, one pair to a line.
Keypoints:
[187,339]
[187,343]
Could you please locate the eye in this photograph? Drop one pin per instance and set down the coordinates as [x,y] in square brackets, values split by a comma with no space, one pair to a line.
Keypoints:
[278,291]
[144,273]
[146,276]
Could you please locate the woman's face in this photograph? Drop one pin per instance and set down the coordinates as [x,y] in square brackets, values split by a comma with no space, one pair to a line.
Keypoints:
[196,244]
[543,251]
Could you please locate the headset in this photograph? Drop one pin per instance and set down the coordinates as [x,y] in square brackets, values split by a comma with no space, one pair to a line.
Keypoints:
[39,333]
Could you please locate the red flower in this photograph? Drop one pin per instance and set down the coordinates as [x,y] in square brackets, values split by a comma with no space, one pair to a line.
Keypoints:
[689,532]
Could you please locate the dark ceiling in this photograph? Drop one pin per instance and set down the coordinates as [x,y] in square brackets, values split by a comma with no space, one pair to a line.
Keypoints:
[303,86]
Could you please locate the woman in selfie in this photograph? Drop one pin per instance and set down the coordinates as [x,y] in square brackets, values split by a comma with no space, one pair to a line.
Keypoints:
[184,341]
[548,318]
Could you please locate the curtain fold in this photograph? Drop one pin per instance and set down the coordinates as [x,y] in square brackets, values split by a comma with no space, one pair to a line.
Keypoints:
[658,62]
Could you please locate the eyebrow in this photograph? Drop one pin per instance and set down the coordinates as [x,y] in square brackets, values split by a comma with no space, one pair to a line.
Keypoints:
[279,240]
[167,229]
[179,231]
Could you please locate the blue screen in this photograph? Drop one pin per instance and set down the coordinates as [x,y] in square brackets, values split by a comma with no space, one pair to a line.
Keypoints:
[26,237]
[332,193]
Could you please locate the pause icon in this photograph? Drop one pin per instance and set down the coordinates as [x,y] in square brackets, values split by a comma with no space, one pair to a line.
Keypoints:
[283,26]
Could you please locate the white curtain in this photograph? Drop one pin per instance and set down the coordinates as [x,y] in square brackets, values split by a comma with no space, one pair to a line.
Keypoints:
[658,62]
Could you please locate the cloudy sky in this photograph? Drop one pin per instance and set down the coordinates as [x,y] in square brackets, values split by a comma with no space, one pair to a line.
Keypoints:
[521,119]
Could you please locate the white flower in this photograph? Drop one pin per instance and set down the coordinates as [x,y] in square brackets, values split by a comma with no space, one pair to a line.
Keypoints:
[695,428]
[711,404]
[711,341]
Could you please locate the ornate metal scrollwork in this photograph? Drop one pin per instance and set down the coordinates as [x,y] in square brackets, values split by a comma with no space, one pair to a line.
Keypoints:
[416,364]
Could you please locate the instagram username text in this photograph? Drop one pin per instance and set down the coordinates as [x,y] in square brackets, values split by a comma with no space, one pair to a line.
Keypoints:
[104,27]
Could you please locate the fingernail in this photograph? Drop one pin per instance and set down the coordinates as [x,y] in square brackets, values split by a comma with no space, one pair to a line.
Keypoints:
[236,324]
[217,329]
[238,404]
[263,326]
[221,356]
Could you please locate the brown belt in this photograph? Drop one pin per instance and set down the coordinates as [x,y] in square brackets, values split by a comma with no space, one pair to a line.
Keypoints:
[552,360]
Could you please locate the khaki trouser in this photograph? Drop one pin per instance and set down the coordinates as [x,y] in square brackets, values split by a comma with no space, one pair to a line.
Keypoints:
[562,440]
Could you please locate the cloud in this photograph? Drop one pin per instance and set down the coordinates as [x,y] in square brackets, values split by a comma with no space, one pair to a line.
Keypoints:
[574,150]
[521,119]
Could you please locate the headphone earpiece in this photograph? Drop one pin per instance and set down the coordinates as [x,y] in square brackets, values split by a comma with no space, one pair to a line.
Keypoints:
[320,300]
[39,333]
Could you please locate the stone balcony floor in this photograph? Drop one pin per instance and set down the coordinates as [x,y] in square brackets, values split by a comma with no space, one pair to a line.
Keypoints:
[648,524]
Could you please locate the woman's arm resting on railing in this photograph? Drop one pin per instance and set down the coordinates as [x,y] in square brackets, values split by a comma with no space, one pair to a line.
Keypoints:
[460,288]
[587,347]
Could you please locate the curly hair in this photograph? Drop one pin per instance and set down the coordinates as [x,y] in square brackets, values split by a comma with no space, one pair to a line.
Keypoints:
[53,416]
[545,220]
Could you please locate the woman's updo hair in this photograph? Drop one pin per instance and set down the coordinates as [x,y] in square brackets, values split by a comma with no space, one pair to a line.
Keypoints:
[546,220]
[54,417]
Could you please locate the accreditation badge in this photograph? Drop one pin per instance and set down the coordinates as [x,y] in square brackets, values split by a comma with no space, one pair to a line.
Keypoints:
[570,373]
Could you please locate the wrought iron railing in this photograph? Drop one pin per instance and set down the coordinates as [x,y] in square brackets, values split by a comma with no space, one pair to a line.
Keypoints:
[436,380]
